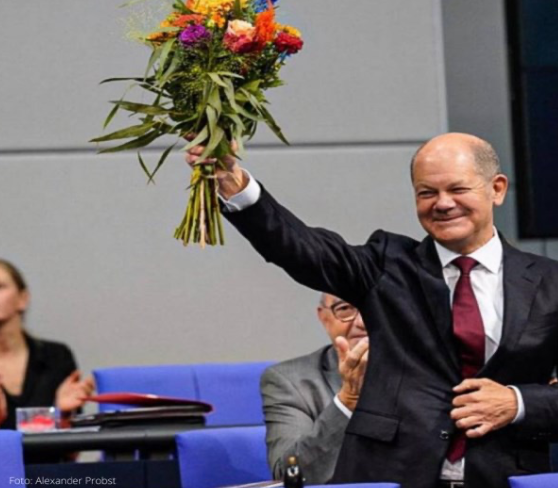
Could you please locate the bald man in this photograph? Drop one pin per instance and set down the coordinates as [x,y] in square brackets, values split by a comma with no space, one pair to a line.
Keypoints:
[464,326]
[307,400]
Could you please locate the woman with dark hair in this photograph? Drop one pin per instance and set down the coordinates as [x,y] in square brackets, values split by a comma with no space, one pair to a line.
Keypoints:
[33,372]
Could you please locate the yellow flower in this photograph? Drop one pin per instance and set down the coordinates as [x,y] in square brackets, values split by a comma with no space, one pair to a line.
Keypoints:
[289,30]
[210,6]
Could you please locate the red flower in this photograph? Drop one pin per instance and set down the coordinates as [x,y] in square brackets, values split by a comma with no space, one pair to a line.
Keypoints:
[239,44]
[287,43]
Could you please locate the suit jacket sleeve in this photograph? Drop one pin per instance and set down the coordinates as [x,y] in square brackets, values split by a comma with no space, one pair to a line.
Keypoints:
[315,257]
[293,429]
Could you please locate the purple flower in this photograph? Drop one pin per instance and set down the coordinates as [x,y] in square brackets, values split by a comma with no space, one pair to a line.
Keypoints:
[193,35]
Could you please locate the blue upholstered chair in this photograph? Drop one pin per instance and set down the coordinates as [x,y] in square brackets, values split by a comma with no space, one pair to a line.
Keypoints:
[234,391]
[549,480]
[11,457]
[210,458]
[169,380]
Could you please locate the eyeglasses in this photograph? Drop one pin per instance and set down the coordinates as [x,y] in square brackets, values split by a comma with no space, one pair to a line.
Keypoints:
[343,311]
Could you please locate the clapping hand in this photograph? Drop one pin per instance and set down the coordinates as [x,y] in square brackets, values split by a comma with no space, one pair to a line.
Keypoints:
[73,391]
[352,366]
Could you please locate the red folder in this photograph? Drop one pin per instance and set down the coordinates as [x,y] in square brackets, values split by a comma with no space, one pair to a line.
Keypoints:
[148,400]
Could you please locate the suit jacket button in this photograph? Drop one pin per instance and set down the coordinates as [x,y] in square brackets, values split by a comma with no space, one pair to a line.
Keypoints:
[444,435]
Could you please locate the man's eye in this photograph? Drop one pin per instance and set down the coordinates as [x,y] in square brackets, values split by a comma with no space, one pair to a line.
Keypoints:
[425,194]
[460,190]
[343,308]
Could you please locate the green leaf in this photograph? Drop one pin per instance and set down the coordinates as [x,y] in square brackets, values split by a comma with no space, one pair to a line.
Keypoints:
[167,48]
[230,94]
[236,119]
[132,131]
[110,116]
[152,59]
[231,97]
[110,80]
[273,125]
[171,69]
[211,118]
[141,108]
[251,98]
[229,74]
[252,86]
[214,100]
[201,137]
[145,168]
[136,143]
[217,79]
[214,141]
[161,161]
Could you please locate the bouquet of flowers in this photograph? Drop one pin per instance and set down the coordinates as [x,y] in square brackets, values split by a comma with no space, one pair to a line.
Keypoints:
[211,62]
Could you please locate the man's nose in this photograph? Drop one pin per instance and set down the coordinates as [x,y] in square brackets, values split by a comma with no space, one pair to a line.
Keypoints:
[358,322]
[444,202]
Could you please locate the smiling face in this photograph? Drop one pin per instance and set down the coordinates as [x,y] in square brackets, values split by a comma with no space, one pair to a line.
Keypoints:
[454,200]
[353,330]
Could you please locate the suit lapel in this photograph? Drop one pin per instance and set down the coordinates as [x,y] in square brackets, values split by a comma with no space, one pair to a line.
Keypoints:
[330,369]
[437,296]
[520,285]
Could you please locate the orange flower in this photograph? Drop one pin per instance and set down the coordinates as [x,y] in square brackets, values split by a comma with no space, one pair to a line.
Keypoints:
[265,27]
[218,18]
[183,20]
[159,37]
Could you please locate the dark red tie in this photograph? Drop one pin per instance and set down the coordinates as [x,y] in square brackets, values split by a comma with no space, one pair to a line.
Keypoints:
[469,332]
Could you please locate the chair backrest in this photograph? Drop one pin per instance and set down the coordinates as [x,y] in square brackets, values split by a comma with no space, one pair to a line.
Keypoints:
[548,480]
[169,380]
[11,457]
[233,390]
[211,458]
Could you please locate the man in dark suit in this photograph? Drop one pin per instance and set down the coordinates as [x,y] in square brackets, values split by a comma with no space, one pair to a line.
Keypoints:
[464,326]
[307,400]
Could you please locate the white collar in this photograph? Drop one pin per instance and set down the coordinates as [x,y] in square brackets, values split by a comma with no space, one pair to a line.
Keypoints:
[490,255]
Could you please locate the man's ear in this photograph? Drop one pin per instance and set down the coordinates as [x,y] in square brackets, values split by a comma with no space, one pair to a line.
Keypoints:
[499,187]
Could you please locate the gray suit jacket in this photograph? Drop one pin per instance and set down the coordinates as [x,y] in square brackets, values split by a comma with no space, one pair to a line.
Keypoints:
[300,415]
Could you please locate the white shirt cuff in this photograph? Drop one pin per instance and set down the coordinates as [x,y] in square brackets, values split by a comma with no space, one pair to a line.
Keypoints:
[342,407]
[520,405]
[245,198]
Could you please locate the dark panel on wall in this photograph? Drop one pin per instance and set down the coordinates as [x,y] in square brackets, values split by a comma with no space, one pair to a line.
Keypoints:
[533,40]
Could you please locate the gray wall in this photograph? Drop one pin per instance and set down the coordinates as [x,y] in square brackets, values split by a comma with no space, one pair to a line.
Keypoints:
[479,93]
[96,243]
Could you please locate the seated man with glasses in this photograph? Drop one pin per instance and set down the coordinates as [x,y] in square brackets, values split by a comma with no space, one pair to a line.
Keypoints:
[308,400]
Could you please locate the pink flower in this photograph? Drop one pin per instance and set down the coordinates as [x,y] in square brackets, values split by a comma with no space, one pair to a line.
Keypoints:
[240,36]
